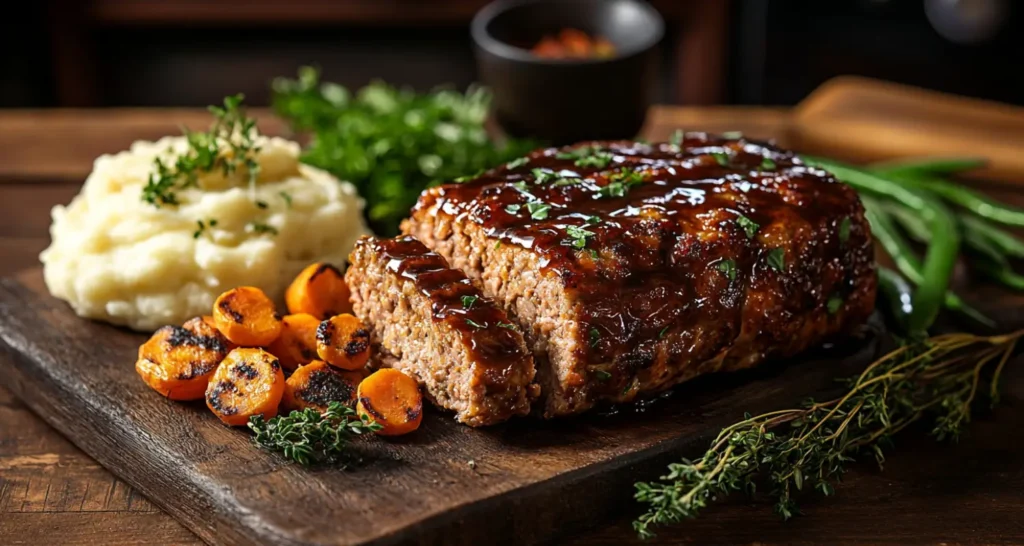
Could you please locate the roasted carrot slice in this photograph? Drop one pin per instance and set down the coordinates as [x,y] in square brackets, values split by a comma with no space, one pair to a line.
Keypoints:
[393,400]
[297,343]
[178,362]
[319,290]
[248,382]
[343,341]
[246,316]
[317,384]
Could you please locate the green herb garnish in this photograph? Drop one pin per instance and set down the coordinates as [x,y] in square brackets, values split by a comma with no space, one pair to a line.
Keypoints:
[767,164]
[261,204]
[577,236]
[661,334]
[835,302]
[807,448]
[602,375]
[732,135]
[308,437]
[844,229]
[513,208]
[721,157]
[543,175]
[537,210]
[621,181]
[392,143]
[749,226]
[728,267]
[468,301]
[676,140]
[595,336]
[507,326]
[475,324]
[777,258]
[287,198]
[229,146]
[262,228]
[202,227]
[516,163]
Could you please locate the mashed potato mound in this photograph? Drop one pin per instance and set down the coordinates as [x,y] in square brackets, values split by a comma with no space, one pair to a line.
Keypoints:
[117,258]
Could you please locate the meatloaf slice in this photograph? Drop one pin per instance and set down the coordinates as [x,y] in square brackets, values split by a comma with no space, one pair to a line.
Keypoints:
[633,267]
[429,321]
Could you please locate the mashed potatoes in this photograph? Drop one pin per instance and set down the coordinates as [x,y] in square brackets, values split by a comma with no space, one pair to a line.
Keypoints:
[117,258]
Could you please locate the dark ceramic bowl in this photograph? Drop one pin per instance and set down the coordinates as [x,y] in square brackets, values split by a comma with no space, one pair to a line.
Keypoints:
[563,101]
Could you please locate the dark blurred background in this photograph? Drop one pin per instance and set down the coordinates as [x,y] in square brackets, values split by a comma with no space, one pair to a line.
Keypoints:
[193,52]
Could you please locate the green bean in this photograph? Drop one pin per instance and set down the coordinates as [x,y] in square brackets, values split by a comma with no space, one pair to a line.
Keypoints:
[906,259]
[910,220]
[898,293]
[942,165]
[932,279]
[1003,274]
[968,199]
[1005,241]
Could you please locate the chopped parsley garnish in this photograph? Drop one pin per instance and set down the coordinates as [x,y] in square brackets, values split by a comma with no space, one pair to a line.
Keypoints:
[749,226]
[593,220]
[543,175]
[677,138]
[516,163]
[475,324]
[777,259]
[513,208]
[565,181]
[497,245]
[262,204]
[521,185]
[722,158]
[468,301]
[229,146]
[507,326]
[593,253]
[202,227]
[767,164]
[732,135]
[844,230]
[728,267]
[538,211]
[599,160]
[595,336]
[661,334]
[287,198]
[834,304]
[621,181]
[602,375]
[468,177]
[261,228]
[577,236]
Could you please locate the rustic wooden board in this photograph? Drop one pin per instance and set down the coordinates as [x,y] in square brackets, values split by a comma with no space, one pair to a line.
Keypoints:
[518,483]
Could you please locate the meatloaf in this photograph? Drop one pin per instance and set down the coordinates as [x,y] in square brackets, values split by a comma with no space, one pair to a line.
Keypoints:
[431,322]
[632,267]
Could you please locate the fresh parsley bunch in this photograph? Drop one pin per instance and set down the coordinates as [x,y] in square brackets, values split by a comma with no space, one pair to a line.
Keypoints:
[391,143]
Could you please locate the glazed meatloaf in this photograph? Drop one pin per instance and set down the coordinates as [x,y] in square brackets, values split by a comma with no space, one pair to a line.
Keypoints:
[632,267]
[431,322]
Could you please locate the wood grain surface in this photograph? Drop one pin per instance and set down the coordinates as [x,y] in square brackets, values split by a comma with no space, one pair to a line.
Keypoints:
[967,493]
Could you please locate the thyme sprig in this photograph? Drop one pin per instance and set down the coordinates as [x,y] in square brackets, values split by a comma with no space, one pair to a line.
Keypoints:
[807,447]
[229,146]
[308,437]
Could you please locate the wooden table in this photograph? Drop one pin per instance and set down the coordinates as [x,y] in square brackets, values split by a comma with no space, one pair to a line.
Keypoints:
[929,493]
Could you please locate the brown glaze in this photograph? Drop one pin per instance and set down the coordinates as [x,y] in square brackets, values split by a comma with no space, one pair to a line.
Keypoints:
[485,329]
[671,258]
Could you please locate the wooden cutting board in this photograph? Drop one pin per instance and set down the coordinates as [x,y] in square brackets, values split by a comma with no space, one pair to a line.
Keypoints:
[517,483]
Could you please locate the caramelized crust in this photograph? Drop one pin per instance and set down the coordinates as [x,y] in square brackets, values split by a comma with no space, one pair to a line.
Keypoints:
[710,255]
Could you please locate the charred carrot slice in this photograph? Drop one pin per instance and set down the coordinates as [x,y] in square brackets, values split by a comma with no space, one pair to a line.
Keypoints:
[343,341]
[297,343]
[319,290]
[317,384]
[178,362]
[248,382]
[392,399]
[246,316]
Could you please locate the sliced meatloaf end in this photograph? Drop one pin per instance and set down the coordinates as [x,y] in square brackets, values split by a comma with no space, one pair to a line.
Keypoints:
[429,321]
[633,267]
